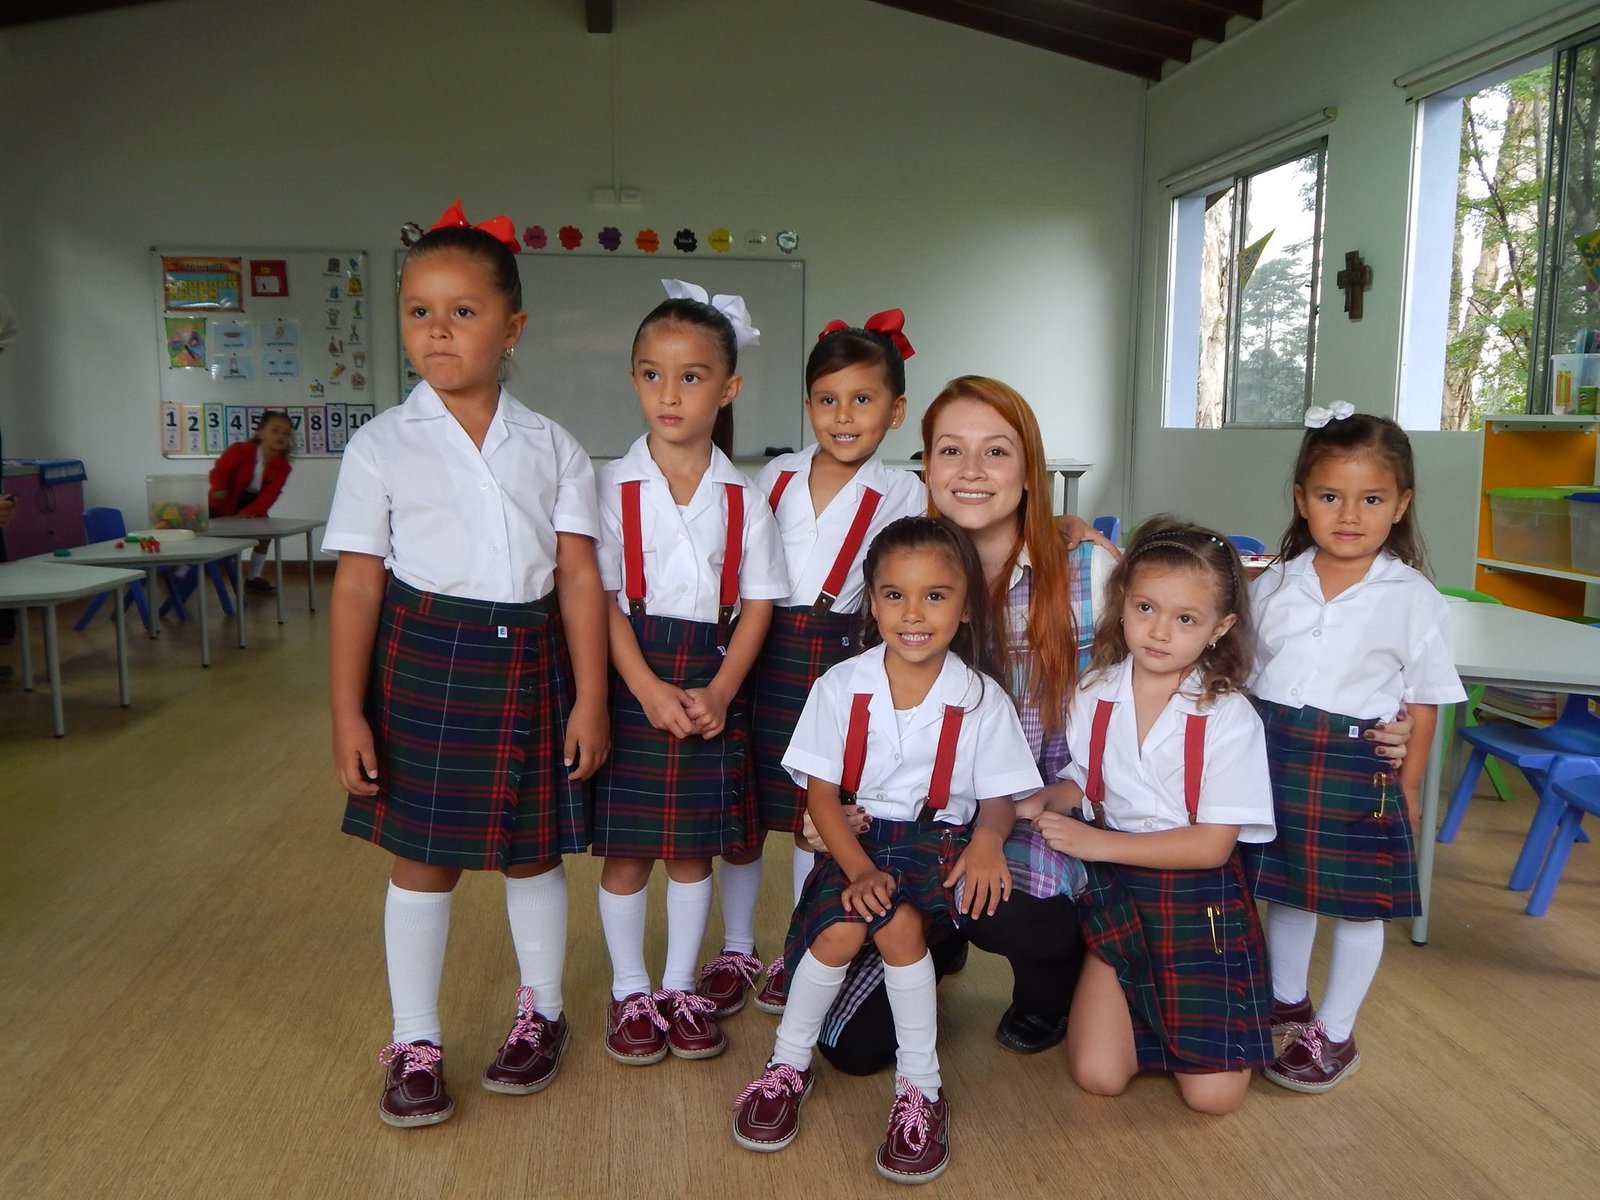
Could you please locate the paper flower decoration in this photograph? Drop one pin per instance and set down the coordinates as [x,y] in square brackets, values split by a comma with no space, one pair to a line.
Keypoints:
[611,237]
[535,238]
[648,241]
[754,237]
[410,233]
[686,241]
[721,240]
[571,237]
[787,240]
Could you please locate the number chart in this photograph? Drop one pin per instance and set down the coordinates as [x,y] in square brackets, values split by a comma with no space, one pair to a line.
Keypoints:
[240,332]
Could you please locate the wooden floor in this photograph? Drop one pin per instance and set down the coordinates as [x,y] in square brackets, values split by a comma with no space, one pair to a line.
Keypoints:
[193,996]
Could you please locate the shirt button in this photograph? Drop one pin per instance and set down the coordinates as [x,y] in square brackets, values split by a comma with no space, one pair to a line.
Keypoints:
[1294,691]
[683,587]
[493,549]
[483,485]
[1316,633]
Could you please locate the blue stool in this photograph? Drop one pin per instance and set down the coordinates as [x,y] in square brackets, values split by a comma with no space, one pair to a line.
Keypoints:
[1575,782]
[1534,752]
[1109,528]
[1245,544]
[104,525]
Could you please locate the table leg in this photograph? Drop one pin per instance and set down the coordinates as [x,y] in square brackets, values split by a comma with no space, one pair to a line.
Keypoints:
[152,602]
[1069,490]
[1428,832]
[238,587]
[311,576]
[277,573]
[205,624]
[122,651]
[52,662]
[25,643]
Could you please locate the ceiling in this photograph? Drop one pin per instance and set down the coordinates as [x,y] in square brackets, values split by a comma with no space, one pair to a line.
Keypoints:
[1139,37]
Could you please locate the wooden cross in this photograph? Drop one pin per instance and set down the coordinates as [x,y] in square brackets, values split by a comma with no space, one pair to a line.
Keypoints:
[1355,279]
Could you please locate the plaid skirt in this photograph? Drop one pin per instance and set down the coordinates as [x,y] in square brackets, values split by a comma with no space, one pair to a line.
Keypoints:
[911,851]
[468,703]
[799,647]
[661,796]
[1332,855]
[1188,951]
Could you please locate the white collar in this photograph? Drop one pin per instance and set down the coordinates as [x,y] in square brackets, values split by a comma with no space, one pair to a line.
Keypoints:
[1115,684]
[1385,568]
[424,404]
[871,474]
[956,684]
[638,464]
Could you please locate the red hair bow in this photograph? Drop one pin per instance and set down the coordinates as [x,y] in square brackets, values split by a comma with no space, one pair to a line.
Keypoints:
[499,228]
[891,323]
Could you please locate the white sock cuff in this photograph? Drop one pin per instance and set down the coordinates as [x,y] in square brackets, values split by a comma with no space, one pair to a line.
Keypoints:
[416,905]
[919,974]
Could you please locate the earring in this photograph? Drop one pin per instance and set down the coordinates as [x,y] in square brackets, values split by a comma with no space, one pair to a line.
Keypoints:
[510,352]
[1211,645]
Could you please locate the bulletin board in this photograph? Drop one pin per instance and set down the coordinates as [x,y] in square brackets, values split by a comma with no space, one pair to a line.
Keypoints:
[583,310]
[241,331]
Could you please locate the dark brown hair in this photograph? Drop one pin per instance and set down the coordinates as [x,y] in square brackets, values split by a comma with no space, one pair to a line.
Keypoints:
[274,414]
[1361,434]
[848,347]
[974,641]
[686,311]
[497,260]
[1166,542]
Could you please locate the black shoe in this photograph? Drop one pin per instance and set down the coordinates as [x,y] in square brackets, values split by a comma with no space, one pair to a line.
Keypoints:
[1024,1033]
[949,956]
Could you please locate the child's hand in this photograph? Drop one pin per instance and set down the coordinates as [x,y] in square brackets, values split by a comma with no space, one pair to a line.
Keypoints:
[588,741]
[1068,835]
[869,893]
[1027,810]
[667,708]
[708,710]
[854,816]
[1391,738]
[353,754]
[983,866]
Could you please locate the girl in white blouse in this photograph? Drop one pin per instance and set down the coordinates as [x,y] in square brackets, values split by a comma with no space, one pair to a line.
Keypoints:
[1348,631]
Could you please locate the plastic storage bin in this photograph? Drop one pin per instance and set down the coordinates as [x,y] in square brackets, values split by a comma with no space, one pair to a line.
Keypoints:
[1583,510]
[177,501]
[1531,525]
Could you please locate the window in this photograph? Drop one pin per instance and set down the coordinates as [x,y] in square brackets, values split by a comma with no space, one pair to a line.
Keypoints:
[1243,314]
[1473,285]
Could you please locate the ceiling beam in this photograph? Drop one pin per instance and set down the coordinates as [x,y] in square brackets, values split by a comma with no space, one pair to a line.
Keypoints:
[1072,43]
[600,15]
[1180,16]
[26,12]
[1234,8]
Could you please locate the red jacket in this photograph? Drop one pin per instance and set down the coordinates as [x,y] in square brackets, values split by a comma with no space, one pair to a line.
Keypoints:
[231,475]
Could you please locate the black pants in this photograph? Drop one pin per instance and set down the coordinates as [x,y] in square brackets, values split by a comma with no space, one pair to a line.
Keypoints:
[866,1044]
[1040,938]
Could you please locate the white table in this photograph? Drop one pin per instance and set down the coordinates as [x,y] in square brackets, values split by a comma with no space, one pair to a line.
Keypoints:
[1065,471]
[173,553]
[40,583]
[1508,647]
[276,528]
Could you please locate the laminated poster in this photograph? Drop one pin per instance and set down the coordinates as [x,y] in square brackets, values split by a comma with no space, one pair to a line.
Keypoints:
[280,335]
[201,283]
[186,342]
[269,277]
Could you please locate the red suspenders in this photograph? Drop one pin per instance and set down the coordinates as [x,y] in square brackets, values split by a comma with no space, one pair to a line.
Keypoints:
[633,553]
[944,758]
[1194,761]
[847,551]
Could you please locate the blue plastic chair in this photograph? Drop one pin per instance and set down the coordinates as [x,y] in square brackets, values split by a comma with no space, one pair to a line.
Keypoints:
[1534,752]
[1109,528]
[182,586]
[102,525]
[1575,782]
[1245,544]
[1474,699]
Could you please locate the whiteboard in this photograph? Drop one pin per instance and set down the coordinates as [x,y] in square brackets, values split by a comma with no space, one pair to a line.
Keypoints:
[583,311]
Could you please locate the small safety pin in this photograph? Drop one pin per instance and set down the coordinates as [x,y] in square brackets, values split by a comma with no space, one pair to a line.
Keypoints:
[1211,916]
[1380,780]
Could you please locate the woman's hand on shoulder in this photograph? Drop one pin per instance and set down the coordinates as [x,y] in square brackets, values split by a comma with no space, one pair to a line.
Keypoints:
[1074,530]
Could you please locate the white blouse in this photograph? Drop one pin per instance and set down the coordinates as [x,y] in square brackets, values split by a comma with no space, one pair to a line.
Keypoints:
[992,756]
[1384,641]
[1144,784]
[811,541]
[684,545]
[449,518]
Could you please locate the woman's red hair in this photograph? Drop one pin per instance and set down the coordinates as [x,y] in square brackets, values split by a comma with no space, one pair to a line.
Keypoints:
[1052,633]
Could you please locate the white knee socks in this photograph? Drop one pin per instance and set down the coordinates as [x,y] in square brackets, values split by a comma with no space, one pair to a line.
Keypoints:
[1290,934]
[622,919]
[537,910]
[1357,949]
[913,1000]
[812,990]
[258,561]
[688,907]
[739,885]
[416,926]
[804,860]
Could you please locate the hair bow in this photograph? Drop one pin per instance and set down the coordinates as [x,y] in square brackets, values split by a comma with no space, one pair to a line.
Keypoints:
[1317,418]
[732,307]
[499,228]
[891,322]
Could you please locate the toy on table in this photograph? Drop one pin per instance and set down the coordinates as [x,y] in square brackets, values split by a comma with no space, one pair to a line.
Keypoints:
[67,553]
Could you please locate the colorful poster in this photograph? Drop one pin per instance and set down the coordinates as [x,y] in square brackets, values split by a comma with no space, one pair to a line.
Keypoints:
[1589,252]
[252,417]
[269,277]
[1250,258]
[215,441]
[280,335]
[230,336]
[233,422]
[316,430]
[204,283]
[357,415]
[194,437]
[171,431]
[336,430]
[233,368]
[297,421]
[283,365]
[186,342]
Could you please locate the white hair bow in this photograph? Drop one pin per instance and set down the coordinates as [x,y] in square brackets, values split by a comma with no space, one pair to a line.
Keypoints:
[1317,417]
[732,307]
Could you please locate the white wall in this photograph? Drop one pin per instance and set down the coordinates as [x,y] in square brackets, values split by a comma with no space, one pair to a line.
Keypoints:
[1309,54]
[984,186]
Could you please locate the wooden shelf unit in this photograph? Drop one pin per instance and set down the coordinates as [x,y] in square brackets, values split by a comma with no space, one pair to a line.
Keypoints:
[1533,451]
